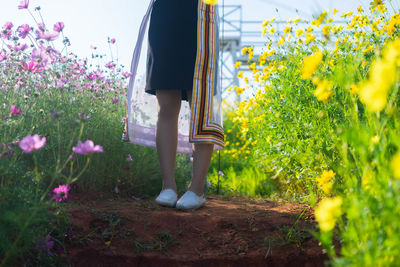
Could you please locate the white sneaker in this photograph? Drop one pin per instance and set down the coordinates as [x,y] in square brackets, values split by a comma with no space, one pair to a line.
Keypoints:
[167,197]
[190,200]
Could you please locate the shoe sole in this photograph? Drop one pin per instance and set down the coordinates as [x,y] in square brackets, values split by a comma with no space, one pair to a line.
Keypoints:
[195,208]
[166,204]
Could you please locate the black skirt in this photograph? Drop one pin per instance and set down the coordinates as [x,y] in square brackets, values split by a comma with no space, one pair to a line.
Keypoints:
[172,47]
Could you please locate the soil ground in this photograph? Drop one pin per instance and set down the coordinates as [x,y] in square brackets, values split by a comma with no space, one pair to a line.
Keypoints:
[226,231]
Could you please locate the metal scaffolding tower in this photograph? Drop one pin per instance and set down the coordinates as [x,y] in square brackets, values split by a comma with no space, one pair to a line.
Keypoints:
[237,34]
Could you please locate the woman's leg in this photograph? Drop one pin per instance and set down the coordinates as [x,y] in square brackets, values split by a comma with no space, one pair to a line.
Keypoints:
[201,162]
[169,104]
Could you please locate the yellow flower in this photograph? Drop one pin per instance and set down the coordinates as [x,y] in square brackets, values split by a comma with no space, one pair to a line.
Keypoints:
[310,64]
[326,30]
[281,41]
[268,21]
[335,11]
[287,30]
[354,89]
[375,91]
[310,38]
[327,212]
[264,32]
[272,31]
[395,165]
[345,15]
[325,177]
[210,2]
[327,188]
[240,75]
[375,140]
[237,65]
[299,32]
[376,3]
[324,91]
[239,90]
[369,49]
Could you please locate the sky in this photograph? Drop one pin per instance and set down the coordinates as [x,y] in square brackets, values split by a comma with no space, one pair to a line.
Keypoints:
[91,22]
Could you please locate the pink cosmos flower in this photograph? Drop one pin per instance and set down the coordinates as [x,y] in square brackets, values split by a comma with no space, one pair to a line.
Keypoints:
[15,111]
[110,65]
[45,245]
[127,74]
[46,35]
[30,143]
[58,27]
[24,30]
[6,34]
[61,192]
[16,48]
[8,25]
[42,27]
[87,148]
[3,56]
[23,4]
[30,67]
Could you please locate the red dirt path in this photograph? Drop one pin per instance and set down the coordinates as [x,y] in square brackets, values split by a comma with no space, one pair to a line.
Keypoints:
[225,232]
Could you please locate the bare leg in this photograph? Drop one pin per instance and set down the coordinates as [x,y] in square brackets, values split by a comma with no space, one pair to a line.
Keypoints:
[202,153]
[169,104]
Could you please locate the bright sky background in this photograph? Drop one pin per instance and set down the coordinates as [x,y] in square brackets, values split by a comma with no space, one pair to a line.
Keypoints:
[90,22]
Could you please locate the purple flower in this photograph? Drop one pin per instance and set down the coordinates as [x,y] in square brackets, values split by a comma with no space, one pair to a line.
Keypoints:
[46,35]
[6,34]
[110,65]
[61,192]
[30,67]
[42,27]
[87,148]
[220,173]
[129,158]
[58,27]
[191,159]
[24,30]
[30,143]
[6,151]
[45,245]
[113,41]
[15,111]
[127,74]
[93,47]
[3,56]
[8,25]
[23,4]
[17,48]
[114,100]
